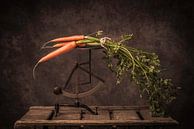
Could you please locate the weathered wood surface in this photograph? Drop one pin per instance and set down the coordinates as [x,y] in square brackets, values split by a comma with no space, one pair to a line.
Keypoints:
[107,115]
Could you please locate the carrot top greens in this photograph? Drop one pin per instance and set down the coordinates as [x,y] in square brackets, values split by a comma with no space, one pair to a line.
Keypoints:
[143,68]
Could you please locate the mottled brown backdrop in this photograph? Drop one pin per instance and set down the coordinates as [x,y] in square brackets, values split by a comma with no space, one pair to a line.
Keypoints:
[161,26]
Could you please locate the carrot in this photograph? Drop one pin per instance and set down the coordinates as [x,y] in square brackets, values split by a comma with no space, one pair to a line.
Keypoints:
[56,45]
[64,39]
[58,52]
[68,47]
[69,38]
[63,44]
[79,44]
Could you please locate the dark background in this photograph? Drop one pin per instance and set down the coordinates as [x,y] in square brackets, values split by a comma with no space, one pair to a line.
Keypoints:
[161,26]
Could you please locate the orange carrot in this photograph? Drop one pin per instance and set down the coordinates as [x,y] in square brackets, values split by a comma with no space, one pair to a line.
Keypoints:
[69,38]
[59,51]
[62,44]
[64,49]
[64,39]
[56,45]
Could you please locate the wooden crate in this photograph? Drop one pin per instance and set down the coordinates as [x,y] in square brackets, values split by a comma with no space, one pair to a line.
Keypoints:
[108,116]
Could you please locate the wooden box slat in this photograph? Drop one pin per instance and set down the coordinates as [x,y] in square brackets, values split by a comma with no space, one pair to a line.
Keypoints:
[37,115]
[146,114]
[102,115]
[125,115]
[71,115]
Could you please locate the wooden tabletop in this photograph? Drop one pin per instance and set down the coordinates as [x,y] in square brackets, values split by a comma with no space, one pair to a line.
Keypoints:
[107,115]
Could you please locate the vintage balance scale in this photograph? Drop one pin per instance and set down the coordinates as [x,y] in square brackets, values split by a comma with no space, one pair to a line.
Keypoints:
[77,94]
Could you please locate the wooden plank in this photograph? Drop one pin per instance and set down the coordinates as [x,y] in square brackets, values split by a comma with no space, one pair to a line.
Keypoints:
[93,107]
[70,115]
[125,115]
[37,115]
[147,115]
[102,115]
[94,122]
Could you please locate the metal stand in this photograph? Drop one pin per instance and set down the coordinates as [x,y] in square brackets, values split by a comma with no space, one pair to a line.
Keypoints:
[77,95]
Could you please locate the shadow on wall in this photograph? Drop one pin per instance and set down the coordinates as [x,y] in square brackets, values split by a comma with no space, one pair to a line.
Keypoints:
[163,27]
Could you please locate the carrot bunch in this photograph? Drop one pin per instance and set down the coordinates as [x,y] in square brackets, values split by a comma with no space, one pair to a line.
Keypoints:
[64,45]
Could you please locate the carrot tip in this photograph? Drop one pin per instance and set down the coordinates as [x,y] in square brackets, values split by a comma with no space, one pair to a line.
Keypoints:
[36,65]
[44,45]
